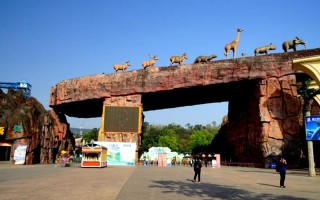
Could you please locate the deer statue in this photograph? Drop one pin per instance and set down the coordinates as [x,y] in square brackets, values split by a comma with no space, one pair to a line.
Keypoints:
[233,45]
[149,63]
[121,66]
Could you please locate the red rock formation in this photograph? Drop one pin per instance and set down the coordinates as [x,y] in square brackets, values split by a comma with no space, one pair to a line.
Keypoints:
[27,123]
[89,92]
[263,123]
[264,113]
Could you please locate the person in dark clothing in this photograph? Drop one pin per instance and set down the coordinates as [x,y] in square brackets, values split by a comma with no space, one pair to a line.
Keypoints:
[197,169]
[282,168]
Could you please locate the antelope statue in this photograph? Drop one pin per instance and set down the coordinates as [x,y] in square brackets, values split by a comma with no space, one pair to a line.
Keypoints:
[149,63]
[122,67]
[178,59]
[233,45]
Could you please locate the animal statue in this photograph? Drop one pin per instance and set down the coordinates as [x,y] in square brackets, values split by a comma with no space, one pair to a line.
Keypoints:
[292,44]
[264,49]
[201,59]
[121,66]
[178,59]
[233,45]
[149,63]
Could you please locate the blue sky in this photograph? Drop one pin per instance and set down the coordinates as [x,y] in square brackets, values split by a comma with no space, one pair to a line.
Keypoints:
[45,42]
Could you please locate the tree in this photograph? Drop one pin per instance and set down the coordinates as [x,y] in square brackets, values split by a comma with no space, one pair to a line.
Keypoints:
[176,137]
[169,140]
[91,135]
[150,136]
[200,138]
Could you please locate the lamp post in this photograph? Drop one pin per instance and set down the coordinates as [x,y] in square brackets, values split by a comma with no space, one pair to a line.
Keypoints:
[312,171]
[311,67]
[307,95]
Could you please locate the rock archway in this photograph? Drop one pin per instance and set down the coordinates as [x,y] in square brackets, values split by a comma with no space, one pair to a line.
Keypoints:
[264,113]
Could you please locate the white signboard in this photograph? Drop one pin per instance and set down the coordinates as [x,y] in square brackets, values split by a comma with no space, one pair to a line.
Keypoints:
[20,155]
[120,153]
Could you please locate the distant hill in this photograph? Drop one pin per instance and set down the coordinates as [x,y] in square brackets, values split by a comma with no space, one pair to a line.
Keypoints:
[77,130]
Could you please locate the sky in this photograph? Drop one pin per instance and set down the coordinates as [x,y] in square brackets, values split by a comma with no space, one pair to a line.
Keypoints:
[46,42]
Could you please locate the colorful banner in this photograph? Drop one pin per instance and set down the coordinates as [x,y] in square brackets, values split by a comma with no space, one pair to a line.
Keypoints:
[120,153]
[155,153]
[312,124]
[20,155]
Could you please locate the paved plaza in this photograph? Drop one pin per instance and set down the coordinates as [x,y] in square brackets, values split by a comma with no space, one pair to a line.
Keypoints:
[152,183]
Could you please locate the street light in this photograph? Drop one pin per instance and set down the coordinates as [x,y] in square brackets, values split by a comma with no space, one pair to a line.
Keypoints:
[308,94]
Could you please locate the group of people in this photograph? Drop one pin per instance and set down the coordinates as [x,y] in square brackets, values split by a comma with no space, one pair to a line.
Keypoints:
[281,167]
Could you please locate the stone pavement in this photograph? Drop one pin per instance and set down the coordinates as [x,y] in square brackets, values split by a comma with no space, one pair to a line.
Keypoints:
[152,183]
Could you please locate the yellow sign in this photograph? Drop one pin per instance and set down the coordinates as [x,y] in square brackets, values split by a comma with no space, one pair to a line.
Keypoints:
[1,130]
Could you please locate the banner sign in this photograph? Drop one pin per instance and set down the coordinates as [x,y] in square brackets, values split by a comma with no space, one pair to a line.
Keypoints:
[20,155]
[312,124]
[120,153]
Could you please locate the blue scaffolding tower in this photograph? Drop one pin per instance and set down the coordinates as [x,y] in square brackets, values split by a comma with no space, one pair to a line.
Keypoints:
[22,85]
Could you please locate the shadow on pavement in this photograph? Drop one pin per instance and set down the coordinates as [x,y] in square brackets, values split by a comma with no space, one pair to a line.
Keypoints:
[210,191]
[268,185]
[289,172]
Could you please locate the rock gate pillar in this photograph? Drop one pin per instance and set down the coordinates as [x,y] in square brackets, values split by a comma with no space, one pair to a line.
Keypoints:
[264,121]
[122,120]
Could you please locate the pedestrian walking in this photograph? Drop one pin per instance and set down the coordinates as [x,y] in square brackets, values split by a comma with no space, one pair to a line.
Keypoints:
[190,162]
[281,167]
[197,169]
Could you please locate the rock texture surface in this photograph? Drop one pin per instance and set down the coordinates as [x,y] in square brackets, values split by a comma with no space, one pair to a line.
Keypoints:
[264,116]
[263,123]
[26,122]
[67,95]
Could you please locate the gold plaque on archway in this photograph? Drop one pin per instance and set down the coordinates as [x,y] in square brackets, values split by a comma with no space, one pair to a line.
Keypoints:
[122,119]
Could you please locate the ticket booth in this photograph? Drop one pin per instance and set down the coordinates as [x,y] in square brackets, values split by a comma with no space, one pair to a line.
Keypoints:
[94,155]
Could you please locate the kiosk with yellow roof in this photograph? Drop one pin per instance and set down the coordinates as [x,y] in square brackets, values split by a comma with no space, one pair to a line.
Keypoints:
[94,155]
